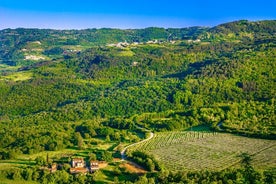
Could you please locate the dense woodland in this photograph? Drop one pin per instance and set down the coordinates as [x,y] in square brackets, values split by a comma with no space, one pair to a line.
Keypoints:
[223,77]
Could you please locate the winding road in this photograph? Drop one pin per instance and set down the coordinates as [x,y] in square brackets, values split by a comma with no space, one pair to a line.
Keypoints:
[123,152]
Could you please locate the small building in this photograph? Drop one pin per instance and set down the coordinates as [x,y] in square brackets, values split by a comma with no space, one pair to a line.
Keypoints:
[53,168]
[94,165]
[78,166]
[78,163]
[135,63]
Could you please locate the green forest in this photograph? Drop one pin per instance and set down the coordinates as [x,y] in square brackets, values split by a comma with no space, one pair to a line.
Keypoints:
[92,92]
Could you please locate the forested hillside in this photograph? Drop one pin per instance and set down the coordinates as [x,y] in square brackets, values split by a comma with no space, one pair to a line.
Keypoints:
[219,80]
[59,87]
[16,44]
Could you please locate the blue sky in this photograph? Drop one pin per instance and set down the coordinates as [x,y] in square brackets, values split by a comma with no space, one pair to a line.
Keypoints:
[81,14]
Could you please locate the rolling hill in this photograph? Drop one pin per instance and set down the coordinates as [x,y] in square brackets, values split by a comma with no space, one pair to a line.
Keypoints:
[73,88]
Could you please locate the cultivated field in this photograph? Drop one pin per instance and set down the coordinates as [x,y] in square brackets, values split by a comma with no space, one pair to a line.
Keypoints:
[199,150]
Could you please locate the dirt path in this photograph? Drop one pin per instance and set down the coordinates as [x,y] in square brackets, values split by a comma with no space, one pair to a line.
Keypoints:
[123,152]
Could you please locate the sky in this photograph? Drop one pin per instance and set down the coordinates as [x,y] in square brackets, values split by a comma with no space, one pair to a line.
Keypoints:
[124,14]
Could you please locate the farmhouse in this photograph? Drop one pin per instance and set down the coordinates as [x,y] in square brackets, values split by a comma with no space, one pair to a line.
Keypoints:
[53,168]
[78,162]
[94,165]
[78,166]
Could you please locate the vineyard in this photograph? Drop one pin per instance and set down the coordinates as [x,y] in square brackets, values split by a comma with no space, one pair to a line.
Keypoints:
[199,150]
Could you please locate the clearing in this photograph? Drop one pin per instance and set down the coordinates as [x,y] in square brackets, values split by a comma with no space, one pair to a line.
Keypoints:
[133,168]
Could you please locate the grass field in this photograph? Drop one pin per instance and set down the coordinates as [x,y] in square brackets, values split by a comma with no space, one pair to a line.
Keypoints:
[17,76]
[126,52]
[199,150]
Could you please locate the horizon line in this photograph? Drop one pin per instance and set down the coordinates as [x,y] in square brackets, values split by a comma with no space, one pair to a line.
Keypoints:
[133,28]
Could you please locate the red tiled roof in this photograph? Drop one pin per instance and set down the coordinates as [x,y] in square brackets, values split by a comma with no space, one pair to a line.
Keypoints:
[77,159]
[78,170]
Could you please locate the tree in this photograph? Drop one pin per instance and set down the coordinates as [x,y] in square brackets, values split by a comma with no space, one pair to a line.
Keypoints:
[117,136]
[35,175]
[80,179]
[107,138]
[40,161]
[270,176]
[27,174]
[90,178]
[246,160]
[250,175]
[116,180]
[92,156]
[16,174]
[79,140]
[106,156]
[150,165]
[61,177]
[142,180]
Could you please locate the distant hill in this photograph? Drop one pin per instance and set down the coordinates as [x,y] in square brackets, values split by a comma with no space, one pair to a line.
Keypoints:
[14,40]
[15,43]
[264,27]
